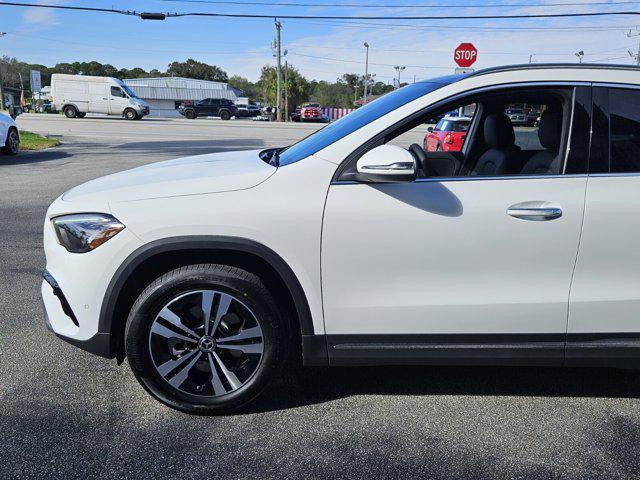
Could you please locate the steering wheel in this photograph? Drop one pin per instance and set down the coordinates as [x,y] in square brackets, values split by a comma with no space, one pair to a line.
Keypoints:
[420,155]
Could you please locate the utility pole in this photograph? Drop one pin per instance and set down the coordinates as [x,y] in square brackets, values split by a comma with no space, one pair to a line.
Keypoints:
[286,90]
[399,69]
[637,55]
[2,34]
[279,102]
[366,73]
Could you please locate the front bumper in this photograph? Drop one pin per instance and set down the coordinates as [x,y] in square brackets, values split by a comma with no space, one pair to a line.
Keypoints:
[75,285]
[98,344]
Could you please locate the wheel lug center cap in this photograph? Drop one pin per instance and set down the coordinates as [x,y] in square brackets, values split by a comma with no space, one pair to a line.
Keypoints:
[207,344]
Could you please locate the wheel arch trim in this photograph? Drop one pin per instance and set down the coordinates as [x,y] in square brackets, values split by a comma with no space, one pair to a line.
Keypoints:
[204,243]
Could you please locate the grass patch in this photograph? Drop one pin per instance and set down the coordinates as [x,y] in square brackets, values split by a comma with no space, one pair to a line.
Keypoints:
[33,141]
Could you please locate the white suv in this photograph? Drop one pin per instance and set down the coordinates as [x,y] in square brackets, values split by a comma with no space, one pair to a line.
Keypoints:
[357,247]
[9,135]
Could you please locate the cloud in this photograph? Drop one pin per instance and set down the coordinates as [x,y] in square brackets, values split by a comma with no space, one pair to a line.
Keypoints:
[42,16]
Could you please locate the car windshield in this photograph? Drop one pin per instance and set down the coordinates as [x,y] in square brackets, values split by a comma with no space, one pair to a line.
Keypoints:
[361,117]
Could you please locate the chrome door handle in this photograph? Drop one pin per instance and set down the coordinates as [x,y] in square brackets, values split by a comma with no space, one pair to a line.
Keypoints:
[535,211]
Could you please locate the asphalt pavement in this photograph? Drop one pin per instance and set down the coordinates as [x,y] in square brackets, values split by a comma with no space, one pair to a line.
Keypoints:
[67,414]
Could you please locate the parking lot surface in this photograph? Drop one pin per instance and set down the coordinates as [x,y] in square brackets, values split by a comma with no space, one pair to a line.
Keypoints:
[67,414]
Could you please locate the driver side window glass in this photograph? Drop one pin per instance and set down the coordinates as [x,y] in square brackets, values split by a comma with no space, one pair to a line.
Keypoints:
[117,92]
[446,132]
[498,133]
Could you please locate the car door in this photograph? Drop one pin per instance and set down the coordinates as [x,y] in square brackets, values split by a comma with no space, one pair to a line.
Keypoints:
[453,266]
[203,107]
[98,98]
[118,100]
[604,315]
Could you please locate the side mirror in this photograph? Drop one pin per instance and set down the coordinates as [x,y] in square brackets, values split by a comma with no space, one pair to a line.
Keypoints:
[430,129]
[387,163]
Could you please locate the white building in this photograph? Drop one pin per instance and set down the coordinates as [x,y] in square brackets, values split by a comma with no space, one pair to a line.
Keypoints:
[165,94]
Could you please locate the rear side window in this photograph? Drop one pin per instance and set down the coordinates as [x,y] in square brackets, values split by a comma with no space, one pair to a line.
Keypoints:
[624,124]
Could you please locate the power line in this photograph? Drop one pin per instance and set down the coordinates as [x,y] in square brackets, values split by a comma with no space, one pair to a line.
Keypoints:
[161,16]
[430,5]
[413,26]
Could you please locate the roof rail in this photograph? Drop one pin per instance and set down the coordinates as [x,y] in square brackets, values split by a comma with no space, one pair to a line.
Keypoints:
[540,66]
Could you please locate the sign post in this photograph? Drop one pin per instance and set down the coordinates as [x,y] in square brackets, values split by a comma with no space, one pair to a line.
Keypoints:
[465,55]
[35,83]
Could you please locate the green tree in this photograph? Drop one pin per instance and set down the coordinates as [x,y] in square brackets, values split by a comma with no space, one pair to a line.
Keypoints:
[250,89]
[298,87]
[198,70]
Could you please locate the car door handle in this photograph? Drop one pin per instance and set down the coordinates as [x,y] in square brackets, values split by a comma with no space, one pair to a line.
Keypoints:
[535,211]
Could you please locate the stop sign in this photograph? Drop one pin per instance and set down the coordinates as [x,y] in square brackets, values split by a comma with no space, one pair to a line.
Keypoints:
[465,55]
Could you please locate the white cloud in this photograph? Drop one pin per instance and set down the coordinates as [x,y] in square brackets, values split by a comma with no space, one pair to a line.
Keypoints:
[42,17]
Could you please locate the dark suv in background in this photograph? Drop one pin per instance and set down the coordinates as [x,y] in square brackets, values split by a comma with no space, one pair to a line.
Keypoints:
[210,107]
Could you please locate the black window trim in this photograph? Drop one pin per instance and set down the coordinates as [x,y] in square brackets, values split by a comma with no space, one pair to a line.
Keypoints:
[618,85]
[358,152]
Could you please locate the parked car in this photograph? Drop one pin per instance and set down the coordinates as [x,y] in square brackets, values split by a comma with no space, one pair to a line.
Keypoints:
[517,116]
[9,135]
[43,107]
[532,117]
[448,135]
[295,115]
[247,110]
[311,112]
[77,95]
[207,272]
[210,107]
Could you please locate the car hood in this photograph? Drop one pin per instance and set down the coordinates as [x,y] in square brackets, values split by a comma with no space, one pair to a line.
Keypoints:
[211,173]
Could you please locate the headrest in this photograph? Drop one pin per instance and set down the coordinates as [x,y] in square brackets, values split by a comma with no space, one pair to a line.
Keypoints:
[498,131]
[550,129]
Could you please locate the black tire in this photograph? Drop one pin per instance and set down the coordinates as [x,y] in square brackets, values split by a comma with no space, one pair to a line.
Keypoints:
[12,144]
[130,114]
[190,114]
[193,278]
[70,111]
[225,115]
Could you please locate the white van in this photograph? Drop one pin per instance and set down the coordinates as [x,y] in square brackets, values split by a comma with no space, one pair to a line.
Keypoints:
[77,95]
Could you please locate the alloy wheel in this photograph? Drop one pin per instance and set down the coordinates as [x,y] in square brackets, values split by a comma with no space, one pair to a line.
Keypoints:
[206,343]
[13,143]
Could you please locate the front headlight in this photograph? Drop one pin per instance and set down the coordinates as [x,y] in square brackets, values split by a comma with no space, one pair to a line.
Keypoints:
[83,232]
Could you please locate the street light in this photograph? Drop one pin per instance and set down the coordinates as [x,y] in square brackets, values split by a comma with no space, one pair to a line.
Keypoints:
[531,57]
[366,73]
[580,55]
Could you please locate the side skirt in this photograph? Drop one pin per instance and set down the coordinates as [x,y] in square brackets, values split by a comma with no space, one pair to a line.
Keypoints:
[587,350]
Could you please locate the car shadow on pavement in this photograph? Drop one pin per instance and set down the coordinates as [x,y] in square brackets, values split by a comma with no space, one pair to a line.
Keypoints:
[25,158]
[309,386]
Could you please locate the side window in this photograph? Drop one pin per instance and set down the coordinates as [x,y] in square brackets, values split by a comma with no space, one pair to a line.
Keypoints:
[117,92]
[624,124]
[499,133]
[444,133]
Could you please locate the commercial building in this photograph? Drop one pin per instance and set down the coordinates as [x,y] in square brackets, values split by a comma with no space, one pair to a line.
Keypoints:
[165,94]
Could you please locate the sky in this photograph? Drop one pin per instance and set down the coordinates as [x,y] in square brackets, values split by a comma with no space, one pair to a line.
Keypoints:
[321,50]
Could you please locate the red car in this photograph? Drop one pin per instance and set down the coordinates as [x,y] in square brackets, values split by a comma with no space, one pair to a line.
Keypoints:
[448,136]
[311,112]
